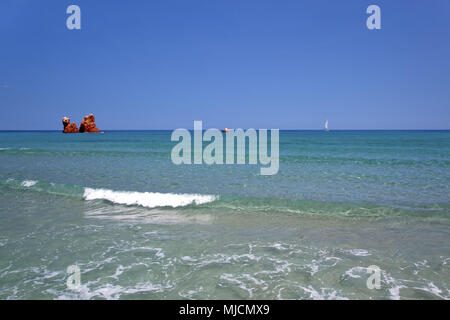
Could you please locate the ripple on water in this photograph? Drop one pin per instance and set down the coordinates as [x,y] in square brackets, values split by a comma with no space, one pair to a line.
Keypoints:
[256,270]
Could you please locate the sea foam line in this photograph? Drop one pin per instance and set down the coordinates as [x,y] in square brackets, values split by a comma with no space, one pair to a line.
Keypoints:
[147,199]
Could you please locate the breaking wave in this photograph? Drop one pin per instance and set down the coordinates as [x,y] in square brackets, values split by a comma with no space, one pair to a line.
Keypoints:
[28,183]
[129,198]
[147,199]
[230,203]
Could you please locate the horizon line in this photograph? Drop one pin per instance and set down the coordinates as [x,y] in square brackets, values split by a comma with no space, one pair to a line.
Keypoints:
[104,130]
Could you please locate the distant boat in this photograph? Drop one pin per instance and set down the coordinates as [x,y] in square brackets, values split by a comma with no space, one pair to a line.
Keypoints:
[326,126]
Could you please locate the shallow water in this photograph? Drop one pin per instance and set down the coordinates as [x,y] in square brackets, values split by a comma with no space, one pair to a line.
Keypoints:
[139,226]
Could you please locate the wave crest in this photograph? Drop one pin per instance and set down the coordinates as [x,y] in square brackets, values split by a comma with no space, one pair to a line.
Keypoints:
[28,183]
[147,199]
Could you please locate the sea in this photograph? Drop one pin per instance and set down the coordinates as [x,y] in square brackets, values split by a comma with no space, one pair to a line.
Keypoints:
[349,215]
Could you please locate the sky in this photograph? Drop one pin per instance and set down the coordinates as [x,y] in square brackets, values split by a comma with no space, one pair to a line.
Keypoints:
[161,64]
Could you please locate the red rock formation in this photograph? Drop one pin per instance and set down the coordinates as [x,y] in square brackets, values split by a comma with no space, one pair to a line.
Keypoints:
[88,124]
[69,127]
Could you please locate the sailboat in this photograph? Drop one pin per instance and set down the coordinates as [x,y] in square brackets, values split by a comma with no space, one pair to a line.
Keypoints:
[326,126]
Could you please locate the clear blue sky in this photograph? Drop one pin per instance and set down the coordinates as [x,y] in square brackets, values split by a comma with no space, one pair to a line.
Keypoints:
[160,64]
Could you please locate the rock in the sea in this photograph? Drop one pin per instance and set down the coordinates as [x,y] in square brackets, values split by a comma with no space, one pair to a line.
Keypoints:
[88,124]
[69,127]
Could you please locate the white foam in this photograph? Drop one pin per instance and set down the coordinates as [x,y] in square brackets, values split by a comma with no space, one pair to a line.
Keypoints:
[356,272]
[107,291]
[190,294]
[324,294]
[433,289]
[147,199]
[28,183]
[358,252]
[228,277]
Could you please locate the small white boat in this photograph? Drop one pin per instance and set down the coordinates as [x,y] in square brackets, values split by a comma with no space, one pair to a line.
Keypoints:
[326,126]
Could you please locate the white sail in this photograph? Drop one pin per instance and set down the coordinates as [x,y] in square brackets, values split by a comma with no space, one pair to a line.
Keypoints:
[326,125]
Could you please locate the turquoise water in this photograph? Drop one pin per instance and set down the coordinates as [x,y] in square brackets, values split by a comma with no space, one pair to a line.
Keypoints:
[140,227]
